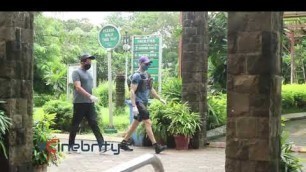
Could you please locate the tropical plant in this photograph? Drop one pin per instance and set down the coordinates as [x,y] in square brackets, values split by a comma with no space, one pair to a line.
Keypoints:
[183,121]
[55,75]
[63,111]
[289,163]
[217,28]
[172,88]
[216,111]
[44,145]
[5,123]
[160,122]
[102,92]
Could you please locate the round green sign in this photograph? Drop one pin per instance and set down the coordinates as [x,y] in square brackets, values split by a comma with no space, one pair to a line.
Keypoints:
[109,37]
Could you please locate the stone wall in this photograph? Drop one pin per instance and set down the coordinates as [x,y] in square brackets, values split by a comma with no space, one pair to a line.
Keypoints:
[16,82]
[194,67]
[253,91]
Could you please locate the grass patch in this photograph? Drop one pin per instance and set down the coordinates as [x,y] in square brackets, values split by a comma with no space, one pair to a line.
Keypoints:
[121,121]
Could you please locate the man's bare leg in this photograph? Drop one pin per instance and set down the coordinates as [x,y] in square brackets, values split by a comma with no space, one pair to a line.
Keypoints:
[148,125]
[130,131]
[124,144]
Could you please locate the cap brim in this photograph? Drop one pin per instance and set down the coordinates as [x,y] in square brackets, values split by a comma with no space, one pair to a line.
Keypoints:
[147,61]
[91,57]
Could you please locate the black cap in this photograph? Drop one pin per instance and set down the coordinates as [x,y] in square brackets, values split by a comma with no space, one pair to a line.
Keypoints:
[87,56]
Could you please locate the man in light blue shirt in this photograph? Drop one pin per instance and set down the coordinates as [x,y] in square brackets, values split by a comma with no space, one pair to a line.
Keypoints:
[141,87]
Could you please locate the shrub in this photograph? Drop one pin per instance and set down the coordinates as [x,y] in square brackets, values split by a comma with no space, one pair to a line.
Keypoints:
[216,111]
[41,99]
[5,123]
[172,89]
[102,92]
[288,161]
[63,111]
[293,98]
[42,133]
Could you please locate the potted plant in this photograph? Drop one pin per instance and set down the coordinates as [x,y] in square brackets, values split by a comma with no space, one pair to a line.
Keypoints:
[160,122]
[5,123]
[183,125]
[44,145]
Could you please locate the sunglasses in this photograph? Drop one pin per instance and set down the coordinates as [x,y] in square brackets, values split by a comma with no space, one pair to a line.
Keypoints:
[147,64]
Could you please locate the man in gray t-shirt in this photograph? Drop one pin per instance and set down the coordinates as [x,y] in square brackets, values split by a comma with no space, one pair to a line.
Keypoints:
[83,101]
[86,81]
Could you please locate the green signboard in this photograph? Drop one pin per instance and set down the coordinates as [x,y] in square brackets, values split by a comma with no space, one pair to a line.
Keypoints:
[109,37]
[152,55]
[146,48]
[146,40]
[150,46]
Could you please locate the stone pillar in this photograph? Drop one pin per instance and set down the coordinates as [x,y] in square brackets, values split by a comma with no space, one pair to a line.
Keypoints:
[194,68]
[16,78]
[253,91]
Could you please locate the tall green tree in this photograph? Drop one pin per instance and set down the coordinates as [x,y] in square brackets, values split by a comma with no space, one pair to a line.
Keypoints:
[47,50]
[217,55]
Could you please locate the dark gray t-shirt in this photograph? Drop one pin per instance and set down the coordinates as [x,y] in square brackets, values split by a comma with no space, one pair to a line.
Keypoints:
[86,83]
[143,93]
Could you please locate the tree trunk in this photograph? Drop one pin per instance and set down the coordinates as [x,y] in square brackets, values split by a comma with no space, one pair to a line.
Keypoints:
[120,91]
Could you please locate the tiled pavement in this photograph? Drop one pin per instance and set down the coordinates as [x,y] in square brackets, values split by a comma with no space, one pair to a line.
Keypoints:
[202,160]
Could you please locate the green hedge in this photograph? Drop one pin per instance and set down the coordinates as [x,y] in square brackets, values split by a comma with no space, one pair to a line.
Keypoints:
[63,111]
[102,93]
[41,99]
[293,98]
[216,111]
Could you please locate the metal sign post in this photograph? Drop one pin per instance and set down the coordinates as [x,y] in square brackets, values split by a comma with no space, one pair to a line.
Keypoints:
[109,37]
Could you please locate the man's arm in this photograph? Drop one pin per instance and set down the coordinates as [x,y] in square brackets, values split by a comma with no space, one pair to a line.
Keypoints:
[155,95]
[78,88]
[132,94]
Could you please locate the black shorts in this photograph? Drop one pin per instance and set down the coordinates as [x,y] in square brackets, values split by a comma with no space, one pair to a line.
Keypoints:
[143,112]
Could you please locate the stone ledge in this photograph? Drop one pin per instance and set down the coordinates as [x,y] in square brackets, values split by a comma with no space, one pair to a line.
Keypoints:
[217,144]
[216,132]
[294,116]
[299,149]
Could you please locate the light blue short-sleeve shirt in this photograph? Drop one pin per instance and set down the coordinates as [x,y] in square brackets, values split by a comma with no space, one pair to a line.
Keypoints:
[142,94]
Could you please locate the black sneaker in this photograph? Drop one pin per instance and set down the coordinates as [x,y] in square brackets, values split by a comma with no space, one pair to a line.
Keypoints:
[159,148]
[124,145]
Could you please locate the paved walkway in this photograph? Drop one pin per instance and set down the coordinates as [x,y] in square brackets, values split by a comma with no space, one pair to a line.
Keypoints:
[202,160]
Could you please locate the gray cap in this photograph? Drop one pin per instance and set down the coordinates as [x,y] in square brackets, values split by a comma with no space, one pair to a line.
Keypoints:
[87,56]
